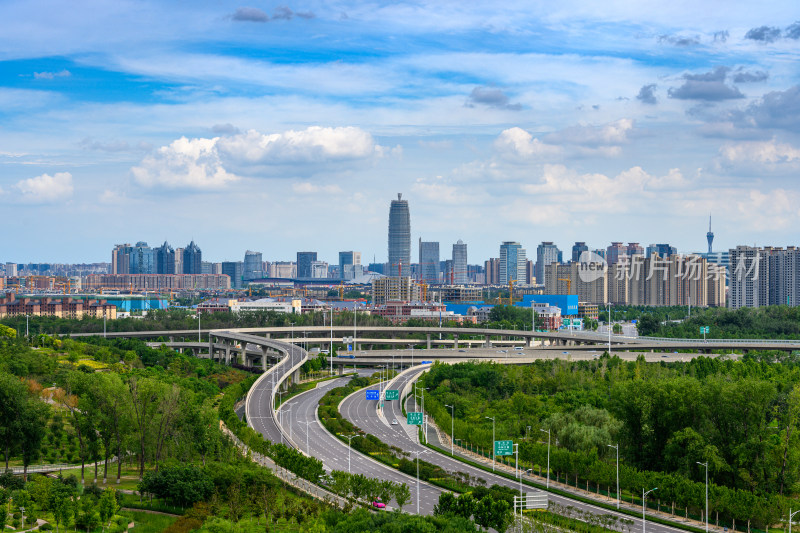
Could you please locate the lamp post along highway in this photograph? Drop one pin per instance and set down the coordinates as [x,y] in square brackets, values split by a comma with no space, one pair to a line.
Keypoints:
[349,438]
[644,505]
[548,455]
[705,465]
[616,447]
[493,457]
[791,514]
[418,453]
[452,429]
[330,346]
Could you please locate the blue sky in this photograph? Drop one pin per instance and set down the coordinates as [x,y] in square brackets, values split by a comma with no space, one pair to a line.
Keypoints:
[281,127]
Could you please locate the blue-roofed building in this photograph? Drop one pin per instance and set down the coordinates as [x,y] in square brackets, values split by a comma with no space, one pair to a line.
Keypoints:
[568,303]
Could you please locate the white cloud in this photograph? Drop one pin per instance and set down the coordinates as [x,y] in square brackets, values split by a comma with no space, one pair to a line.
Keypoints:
[312,145]
[310,188]
[214,163]
[52,75]
[46,189]
[517,143]
[759,157]
[184,164]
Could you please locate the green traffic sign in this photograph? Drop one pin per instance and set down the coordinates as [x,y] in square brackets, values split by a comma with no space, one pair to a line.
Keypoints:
[704,329]
[414,419]
[392,394]
[503,447]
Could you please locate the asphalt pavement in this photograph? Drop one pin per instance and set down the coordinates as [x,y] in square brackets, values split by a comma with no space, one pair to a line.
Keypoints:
[300,414]
[364,414]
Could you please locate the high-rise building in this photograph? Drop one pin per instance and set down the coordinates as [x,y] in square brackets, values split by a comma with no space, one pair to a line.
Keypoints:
[253,265]
[615,252]
[142,259]
[709,236]
[664,250]
[165,259]
[304,260]
[192,259]
[512,262]
[235,271]
[399,238]
[491,268]
[577,249]
[460,276]
[546,253]
[121,259]
[429,261]
[319,269]
[633,248]
[349,265]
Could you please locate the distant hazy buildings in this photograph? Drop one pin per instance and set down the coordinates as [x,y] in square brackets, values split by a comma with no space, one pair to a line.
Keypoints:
[157,281]
[399,238]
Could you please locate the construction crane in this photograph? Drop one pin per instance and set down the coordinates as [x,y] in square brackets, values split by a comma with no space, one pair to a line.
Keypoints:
[511,291]
[569,284]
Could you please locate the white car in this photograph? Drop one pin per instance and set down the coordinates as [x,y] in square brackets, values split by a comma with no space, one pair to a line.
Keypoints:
[394,422]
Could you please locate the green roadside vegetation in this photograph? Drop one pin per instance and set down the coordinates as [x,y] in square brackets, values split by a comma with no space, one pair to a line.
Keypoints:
[739,416]
[160,412]
[774,322]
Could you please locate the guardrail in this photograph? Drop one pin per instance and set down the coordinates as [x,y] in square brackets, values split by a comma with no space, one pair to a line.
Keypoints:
[55,467]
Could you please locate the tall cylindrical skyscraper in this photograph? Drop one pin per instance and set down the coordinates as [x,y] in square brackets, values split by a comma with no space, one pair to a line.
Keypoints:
[399,238]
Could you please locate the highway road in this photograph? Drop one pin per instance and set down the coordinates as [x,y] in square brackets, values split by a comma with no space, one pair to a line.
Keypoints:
[364,414]
[300,413]
[260,398]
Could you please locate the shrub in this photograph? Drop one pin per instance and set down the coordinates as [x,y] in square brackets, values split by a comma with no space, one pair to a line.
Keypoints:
[45,527]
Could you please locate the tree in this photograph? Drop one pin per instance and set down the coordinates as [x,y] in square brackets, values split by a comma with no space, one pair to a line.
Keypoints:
[61,503]
[401,494]
[114,419]
[107,506]
[13,397]
[4,493]
[144,400]
[33,421]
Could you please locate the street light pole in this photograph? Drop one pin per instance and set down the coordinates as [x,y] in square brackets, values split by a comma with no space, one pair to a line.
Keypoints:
[452,428]
[644,505]
[493,457]
[705,465]
[791,514]
[349,439]
[330,347]
[308,449]
[198,325]
[418,453]
[548,455]
[616,447]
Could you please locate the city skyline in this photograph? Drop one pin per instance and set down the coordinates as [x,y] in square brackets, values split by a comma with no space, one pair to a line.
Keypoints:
[288,127]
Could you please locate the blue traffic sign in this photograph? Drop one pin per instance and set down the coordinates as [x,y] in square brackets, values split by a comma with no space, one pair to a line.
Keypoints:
[373,395]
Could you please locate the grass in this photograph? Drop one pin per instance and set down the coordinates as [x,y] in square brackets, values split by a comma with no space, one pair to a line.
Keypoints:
[132,501]
[148,523]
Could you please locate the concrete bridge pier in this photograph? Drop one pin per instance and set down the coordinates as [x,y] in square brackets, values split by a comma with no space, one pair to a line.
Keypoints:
[428,343]
[455,342]
[264,358]
[487,343]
